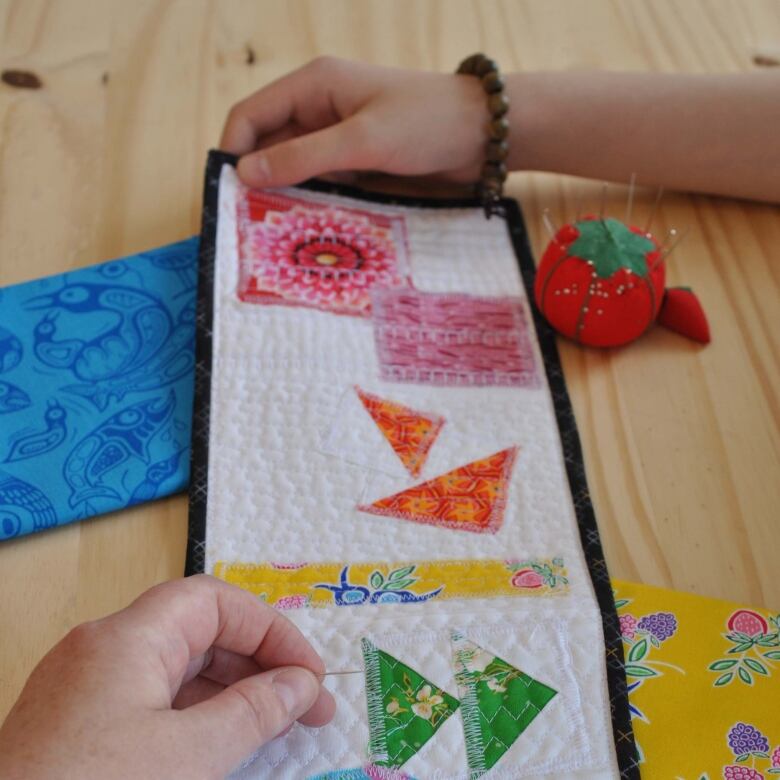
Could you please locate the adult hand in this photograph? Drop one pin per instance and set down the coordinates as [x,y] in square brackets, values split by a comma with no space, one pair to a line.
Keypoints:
[186,682]
[334,115]
[713,133]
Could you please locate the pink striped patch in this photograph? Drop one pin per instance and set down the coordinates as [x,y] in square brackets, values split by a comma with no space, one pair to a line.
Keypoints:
[452,339]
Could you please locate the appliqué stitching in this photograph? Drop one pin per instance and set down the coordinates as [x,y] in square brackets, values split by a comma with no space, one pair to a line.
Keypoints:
[411,433]
[405,710]
[469,498]
[453,339]
[296,252]
[483,678]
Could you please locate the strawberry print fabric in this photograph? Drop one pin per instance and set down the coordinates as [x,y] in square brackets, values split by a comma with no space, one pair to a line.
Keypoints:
[410,433]
[452,339]
[469,498]
[298,253]
[691,659]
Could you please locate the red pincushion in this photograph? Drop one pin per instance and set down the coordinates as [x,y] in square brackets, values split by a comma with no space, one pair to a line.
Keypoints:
[601,282]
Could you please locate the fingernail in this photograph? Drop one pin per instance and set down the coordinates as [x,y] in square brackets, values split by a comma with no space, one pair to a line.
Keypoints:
[256,169]
[296,688]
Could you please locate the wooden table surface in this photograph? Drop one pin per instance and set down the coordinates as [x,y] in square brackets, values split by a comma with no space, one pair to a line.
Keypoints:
[682,444]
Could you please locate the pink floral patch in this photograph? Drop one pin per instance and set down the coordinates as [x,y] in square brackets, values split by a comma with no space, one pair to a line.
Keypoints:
[453,339]
[297,252]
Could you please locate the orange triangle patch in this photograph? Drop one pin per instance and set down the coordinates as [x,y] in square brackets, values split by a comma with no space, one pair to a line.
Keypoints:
[410,433]
[470,498]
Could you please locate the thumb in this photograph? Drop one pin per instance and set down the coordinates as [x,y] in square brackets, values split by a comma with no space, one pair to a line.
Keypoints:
[343,146]
[224,730]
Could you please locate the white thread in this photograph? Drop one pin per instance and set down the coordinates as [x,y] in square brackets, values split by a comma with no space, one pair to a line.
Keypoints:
[377,744]
[469,709]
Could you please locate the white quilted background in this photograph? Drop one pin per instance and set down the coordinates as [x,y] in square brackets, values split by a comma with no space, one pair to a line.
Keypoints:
[277,492]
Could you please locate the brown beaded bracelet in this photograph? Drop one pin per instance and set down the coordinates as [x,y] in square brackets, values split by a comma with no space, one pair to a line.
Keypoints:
[494,172]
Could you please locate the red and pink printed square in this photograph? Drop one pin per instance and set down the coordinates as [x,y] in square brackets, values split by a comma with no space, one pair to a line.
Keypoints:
[453,339]
[297,252]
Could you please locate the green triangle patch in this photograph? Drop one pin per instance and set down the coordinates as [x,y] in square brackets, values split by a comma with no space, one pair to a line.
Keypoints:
[404,709]
[498,703]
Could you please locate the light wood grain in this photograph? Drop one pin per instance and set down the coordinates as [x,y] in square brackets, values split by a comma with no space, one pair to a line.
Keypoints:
[681,443]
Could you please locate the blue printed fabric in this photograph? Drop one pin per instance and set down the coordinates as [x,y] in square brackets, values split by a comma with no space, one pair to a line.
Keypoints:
[96,388]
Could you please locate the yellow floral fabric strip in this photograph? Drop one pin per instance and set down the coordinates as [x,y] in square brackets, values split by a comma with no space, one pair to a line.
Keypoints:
[704,684]
[288,586]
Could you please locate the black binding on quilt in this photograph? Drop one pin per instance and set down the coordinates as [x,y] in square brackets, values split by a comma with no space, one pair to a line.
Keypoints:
[625,748]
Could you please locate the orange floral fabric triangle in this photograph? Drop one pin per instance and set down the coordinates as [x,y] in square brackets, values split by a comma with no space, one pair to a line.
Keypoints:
[470,498]
[411,433]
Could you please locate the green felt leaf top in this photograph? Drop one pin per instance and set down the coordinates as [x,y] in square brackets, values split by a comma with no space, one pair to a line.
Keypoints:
[610,246]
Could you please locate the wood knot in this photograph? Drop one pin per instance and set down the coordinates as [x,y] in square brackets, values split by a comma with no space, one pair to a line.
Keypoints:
[21,79]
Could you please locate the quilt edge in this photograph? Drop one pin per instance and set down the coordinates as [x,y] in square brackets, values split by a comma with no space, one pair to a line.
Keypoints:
[623,737]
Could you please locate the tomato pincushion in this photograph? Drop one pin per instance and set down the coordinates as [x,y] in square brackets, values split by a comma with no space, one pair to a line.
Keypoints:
[601,282]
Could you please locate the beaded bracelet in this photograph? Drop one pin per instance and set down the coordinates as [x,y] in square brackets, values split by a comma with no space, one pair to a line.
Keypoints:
[491,184]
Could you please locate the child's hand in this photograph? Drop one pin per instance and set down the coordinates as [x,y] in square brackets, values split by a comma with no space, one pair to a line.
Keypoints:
[184,683]
[333,115]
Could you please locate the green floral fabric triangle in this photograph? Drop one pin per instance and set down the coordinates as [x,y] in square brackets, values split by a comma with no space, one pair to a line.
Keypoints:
[498,703]
[404,709]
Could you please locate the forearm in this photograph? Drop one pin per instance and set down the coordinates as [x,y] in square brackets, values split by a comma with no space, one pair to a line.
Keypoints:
[714,134]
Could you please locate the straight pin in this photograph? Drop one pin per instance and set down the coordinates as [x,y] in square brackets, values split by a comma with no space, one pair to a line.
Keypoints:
[348,671]
[603,201]
[549,224]
[678,237]
[579,204]
[671,236]
[630,205]
[650,219]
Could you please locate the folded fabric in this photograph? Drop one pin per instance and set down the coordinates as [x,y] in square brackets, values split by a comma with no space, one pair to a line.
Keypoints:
[96,388]
[704,684]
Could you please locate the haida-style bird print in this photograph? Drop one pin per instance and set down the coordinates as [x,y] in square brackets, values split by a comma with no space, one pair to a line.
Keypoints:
[156,474]
[131,327]
[23,507]
[10,350]
[12,398]
[140,350]
[92,469]
[183,263]
[172,361]
[28,445]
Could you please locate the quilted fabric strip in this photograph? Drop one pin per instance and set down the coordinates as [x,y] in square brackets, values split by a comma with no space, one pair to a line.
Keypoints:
[292,586]
[469,498]
[411,433]
[430,221]
[404,709]
[499,702]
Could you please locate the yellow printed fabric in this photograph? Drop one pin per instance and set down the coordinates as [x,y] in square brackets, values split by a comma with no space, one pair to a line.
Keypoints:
[704,685]
[289,586]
